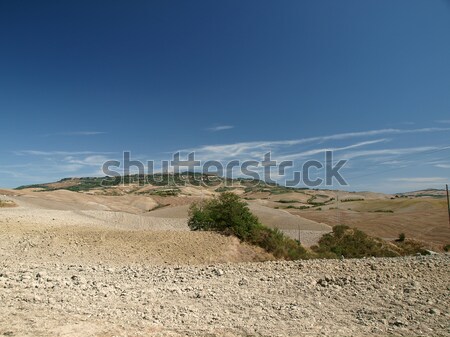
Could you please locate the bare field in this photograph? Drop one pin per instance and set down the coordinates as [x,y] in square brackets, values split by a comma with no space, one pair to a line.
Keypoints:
[86,264]
[421,219]
[75,227]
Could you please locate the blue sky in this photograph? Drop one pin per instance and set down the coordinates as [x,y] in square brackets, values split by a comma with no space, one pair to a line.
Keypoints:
[82,81]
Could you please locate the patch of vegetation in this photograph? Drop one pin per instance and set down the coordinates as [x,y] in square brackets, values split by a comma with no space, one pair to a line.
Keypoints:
[447,248]
[287,201]
[383,211]
[86,184]
[350,200]
[353,243]
[314,203]
[410,247]
[298,207]
[350,243]
[112,192]
[273,189]
[165,192]
[44,187]
[224,189]
[164,180]
[401,237]
[437,196]
[7,203]
[228,215]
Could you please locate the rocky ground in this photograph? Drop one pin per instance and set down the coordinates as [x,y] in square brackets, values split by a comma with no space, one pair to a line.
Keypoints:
[77,265]
[377,297]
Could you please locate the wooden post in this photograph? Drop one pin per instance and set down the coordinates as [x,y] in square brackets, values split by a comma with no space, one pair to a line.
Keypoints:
[448,204]
[338,215]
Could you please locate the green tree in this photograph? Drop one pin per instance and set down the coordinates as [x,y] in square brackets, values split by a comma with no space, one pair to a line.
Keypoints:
[229,215]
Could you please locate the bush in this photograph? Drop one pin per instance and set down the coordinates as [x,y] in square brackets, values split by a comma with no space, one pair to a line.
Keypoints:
[228,215]
[353,243]
[350,243]
[401,237]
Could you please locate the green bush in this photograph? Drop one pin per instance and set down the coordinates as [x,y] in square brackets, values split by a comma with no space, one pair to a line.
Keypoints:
[401,237]
[351,243]
[226,214]
[229,215]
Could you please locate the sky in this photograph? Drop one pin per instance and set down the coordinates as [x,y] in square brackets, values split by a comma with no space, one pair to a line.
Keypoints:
[81,82]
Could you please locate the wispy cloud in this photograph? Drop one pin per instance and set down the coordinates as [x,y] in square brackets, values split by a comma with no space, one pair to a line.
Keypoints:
[76,133]
[393,152]
[45,166]
[443,121]
[334,149]
[96,160]
[220,128]
[425,180]
[236,150]
[57,153]
[445,166]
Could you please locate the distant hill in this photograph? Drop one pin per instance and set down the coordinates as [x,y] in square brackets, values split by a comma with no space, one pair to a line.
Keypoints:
[430,192]
[162,182]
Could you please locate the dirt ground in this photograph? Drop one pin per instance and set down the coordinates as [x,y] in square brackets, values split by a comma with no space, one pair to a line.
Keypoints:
[74,264]
[372,297]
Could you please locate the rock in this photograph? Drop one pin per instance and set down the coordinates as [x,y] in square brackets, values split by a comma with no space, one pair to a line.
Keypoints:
[218,272]
[243,282]
[434,311]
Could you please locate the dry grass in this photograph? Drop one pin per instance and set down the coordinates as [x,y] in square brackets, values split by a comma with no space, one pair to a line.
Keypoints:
[422,219]
[7,203]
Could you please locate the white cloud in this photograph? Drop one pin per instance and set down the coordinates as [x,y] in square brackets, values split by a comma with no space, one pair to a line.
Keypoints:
[87,161]
[244,148]
[322,150]
[220,128]
[425,180]
[445,166]
[57,153]
[384,152]
[76,133]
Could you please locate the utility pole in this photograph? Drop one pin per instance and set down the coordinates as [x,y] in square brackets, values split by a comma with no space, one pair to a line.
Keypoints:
[448,204]
[338,215]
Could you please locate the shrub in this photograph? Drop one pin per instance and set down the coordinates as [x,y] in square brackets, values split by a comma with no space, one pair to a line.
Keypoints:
[229,215]
[353,243]
[350,243]
[410,247]
[401,237]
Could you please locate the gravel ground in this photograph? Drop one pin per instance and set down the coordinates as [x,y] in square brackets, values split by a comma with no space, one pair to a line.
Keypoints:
[377,297]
